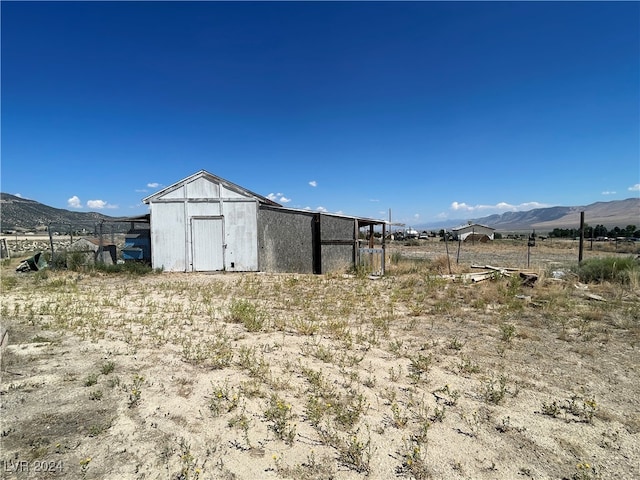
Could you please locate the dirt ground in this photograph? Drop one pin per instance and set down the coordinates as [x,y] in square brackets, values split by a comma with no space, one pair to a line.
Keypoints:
[259,376]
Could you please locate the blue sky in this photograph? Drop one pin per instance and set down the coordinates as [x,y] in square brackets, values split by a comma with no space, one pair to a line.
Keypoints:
[435,110]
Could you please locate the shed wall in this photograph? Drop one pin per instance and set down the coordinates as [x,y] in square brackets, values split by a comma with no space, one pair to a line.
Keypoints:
[173,243]
[169,241]
[336,258]
[241,235]
[285,241]
[338,243]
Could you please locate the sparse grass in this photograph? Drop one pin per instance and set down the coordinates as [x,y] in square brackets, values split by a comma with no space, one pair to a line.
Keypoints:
[419,366]
[107,368]
[413,460]
[297,363]
[354,451]
[577,408]
[507,331]
[224,399]
[135,390]
[312,469]
[215,353]
[246,313]
[91,380]
[495,389]
[280,416]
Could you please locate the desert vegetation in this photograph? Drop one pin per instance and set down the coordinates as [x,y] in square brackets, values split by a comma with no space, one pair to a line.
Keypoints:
[418,374]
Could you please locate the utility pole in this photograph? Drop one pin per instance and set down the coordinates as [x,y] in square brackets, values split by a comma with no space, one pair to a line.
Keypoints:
[581,237]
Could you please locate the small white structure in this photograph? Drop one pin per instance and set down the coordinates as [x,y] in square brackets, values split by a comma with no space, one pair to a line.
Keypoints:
[473,230]
[205,223]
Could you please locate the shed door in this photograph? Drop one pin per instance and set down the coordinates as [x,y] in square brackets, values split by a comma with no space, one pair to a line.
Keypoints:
[207,244]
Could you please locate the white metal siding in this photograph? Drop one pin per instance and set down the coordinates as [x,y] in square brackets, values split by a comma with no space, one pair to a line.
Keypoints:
[241,233]
[203,188]
[207,244]
[228,193]
[177,193]
[168,237]
[204,209]
[204,225]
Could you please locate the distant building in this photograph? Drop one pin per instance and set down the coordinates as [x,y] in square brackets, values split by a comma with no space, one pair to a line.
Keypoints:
[92,251]
[473,231]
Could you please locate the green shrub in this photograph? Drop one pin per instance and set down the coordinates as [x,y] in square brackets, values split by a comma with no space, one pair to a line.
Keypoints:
[623,270]
[76,260]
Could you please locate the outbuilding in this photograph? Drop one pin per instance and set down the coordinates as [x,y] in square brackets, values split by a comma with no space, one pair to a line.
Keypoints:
[93,251]
[474,231]
[205,223]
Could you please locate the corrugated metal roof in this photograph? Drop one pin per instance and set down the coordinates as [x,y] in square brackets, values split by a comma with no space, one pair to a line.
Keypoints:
[471,225]
[363,221]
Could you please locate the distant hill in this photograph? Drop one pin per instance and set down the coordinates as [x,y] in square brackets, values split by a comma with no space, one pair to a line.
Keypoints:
[617,213]
[18,213]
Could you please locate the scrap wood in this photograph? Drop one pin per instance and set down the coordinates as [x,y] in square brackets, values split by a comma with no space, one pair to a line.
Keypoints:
[479,277]
[593,296]
[499,269]
[473,277]
[502,270]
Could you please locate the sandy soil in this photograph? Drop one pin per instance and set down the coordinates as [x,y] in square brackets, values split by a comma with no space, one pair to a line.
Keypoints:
[258,376]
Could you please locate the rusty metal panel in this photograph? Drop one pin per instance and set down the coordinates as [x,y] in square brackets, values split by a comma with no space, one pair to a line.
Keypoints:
[207,244]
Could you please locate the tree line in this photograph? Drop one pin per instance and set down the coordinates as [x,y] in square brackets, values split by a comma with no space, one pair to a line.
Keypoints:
[599,231]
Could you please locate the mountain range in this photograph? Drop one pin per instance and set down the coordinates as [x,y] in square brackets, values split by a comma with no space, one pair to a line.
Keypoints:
[22,214]
[17,213]
[617,213]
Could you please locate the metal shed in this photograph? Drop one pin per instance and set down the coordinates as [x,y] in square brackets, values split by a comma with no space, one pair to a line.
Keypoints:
[472,230]
[206,223]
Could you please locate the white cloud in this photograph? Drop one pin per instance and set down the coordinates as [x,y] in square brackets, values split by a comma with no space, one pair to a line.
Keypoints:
[460,206]
[416,216]
[498,207]
[141,190]
[317,209]
[313,183]
[374,200]
[19,195]
[74,202]
[154,185]
[609,193]
[99,204]
[278,197]
[635,188]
